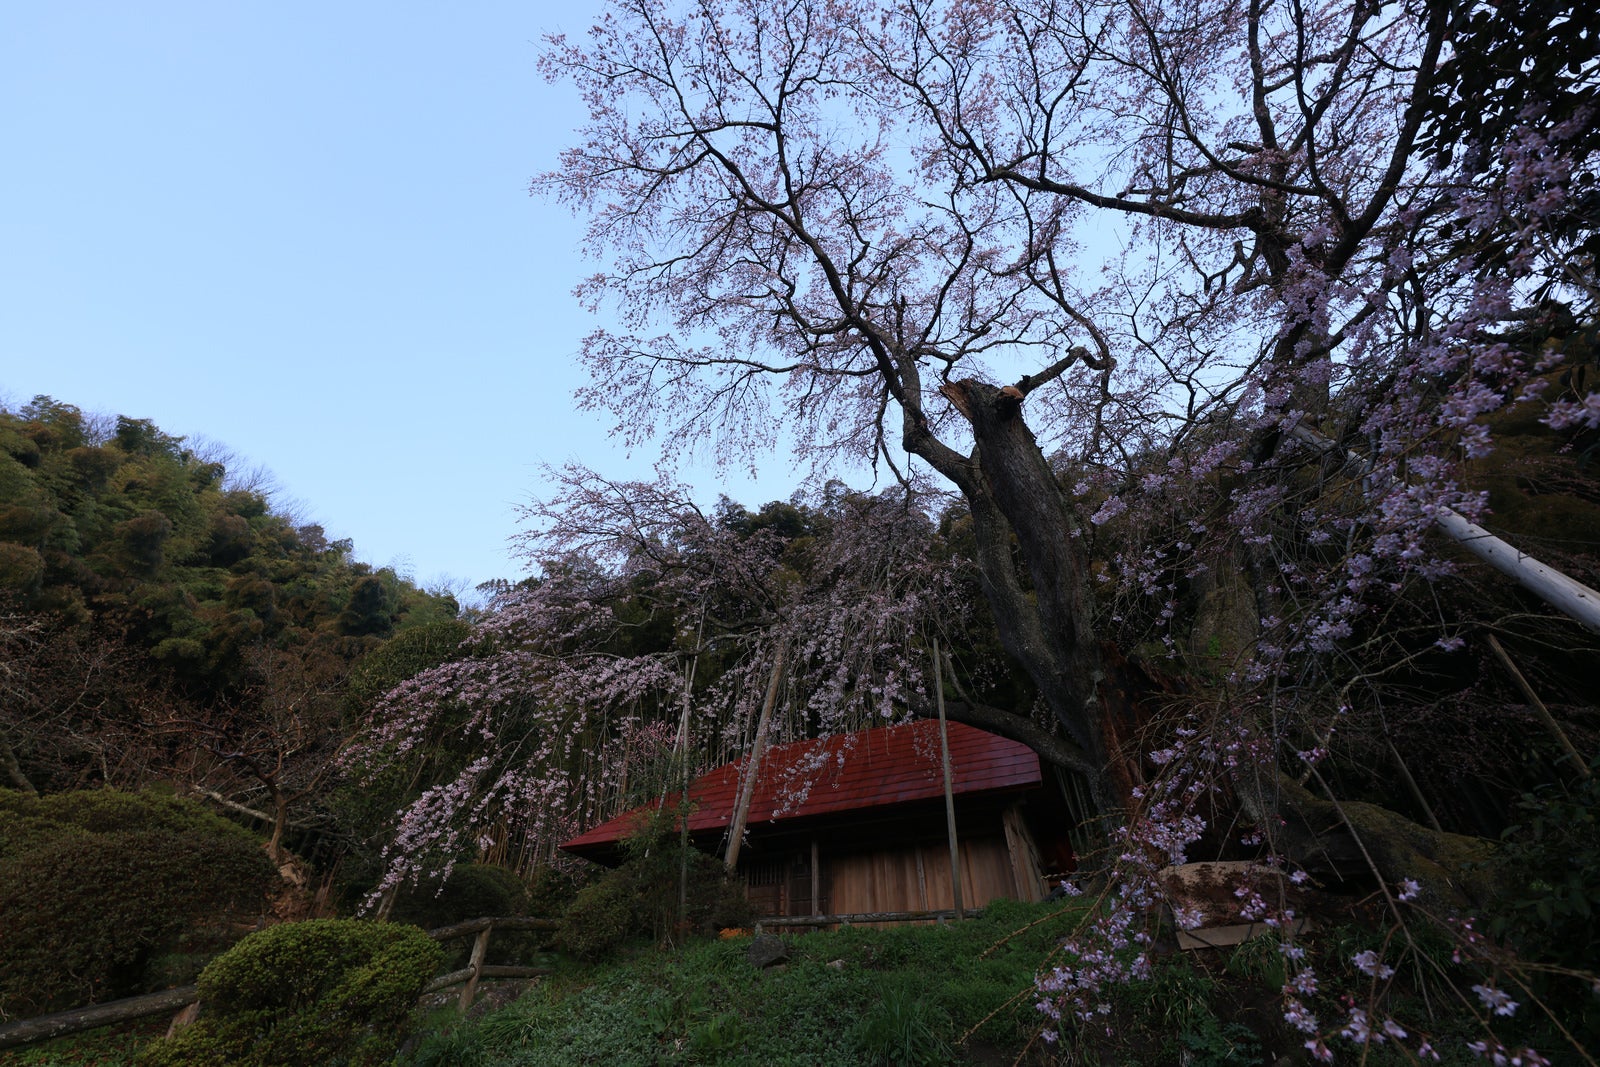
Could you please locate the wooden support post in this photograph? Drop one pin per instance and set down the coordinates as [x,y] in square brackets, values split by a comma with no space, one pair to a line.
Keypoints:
[816,880]
[683,799]
[1548,719]
[949,792]
[747,787]
[480,949]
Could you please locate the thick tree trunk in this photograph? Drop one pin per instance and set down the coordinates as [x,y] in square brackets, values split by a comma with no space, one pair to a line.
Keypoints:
[1067,667]
[1048,628]
[13,769]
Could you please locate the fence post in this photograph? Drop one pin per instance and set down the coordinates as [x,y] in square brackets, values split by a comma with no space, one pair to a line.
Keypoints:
[480,949]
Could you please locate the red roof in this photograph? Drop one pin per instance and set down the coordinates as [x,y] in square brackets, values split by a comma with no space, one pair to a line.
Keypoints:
[847,772]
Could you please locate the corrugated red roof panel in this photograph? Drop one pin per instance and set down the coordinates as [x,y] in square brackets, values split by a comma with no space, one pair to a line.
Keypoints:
[848,772]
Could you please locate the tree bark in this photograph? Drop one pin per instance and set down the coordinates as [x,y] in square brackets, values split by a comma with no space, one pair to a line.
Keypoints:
[13,769]
[1048,628]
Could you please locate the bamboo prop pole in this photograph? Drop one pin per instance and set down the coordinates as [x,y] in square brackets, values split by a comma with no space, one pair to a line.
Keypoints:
[1561,592]
[1411,784]
[949,792]
[747,787]
[1548,719]
[683,801]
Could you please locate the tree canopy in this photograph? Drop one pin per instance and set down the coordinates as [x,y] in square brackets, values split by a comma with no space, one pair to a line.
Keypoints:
[1213,316]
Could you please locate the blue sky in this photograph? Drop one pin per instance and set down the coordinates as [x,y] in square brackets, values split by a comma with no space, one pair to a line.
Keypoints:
[303,231]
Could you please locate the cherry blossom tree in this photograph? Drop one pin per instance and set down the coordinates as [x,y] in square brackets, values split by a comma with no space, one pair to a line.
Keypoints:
[855,204]
[642,652]
[1187,300]
[1197,239]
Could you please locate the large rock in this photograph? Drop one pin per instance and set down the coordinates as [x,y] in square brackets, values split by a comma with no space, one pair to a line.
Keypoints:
[767,951]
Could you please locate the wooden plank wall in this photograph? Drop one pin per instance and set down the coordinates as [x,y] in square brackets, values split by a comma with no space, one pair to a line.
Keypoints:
[917,877]
[1026,865]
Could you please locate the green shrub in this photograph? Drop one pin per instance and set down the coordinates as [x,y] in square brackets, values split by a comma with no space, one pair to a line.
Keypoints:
[96,885]
[553,890]
[641,897]
[328,991]
[1553,859]
[473,891]
[602,917]
[22,832]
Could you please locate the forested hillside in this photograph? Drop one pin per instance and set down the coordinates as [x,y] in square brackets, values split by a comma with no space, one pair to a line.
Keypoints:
[159,622]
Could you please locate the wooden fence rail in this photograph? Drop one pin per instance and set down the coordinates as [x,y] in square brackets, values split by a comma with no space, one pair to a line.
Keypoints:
[476,968]
[866,917]
[61,1023]
[76,1020]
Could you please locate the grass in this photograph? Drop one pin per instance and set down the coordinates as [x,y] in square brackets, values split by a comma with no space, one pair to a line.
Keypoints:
[107,1047]
[901,996]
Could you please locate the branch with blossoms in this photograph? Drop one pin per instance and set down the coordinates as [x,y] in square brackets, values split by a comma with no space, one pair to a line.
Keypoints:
[641,653]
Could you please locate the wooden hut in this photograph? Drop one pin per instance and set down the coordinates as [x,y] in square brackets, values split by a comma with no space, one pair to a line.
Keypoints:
[856,823]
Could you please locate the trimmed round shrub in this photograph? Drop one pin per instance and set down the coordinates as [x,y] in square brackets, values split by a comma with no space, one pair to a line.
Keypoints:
[101,810]
[327,991]
[473,891]
[95,885]
[602,917]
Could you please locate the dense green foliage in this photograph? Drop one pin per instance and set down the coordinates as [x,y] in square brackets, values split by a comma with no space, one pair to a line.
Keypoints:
[127,522]
[95,885]
[1552,858]
[640,898]
[313,993]
[473,891]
